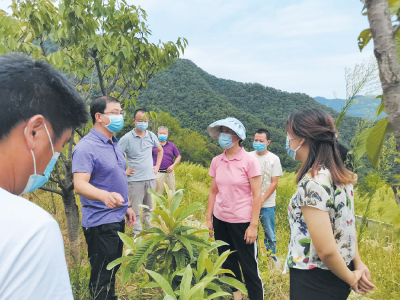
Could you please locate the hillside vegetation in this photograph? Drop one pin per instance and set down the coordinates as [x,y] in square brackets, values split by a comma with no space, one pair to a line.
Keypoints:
[197,99]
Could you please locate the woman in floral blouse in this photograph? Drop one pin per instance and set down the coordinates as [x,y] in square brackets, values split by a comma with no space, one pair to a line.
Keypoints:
[323,255]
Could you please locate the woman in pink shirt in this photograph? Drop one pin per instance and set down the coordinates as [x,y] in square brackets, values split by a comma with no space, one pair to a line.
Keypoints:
[234,204]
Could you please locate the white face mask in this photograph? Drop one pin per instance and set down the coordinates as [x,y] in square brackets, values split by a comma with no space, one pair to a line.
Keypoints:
[37,181]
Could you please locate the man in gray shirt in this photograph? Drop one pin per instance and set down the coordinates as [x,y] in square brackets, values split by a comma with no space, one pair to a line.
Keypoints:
[138,145]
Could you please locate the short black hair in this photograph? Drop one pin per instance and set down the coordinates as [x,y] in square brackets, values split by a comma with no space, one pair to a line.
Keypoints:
[139,109]
[98,105]
[266,131]
[30,88]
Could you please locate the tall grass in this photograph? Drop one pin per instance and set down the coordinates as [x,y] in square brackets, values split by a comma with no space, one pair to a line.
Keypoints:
[379,250]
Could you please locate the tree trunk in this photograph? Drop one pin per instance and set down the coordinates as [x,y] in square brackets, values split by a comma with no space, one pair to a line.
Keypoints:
[388,62]
[396,191]
[72,213]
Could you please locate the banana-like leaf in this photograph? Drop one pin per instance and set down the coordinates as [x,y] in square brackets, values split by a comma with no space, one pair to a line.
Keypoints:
[187,244]
[221,259]
[195,240]
[161,201]
[192,208]
[176,201]
[125,274]
[218,294]
[375,141]
[163,214]
[201,263]
[216,244]
[118,261]
[150,231]
[197,291]
[178,211]
[142,252]
[234,283]
[215,287]
[162,282]
[127,240]
[186,283]
[209,266]
[181,228]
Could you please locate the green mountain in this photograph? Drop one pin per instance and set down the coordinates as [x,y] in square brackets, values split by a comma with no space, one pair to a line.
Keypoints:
[197,99]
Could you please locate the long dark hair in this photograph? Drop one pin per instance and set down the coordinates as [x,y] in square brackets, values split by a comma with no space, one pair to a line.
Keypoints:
[318,129]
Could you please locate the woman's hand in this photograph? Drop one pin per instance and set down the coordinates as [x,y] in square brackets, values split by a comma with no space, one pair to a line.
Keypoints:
[210,227]
[364,284]
[251,234]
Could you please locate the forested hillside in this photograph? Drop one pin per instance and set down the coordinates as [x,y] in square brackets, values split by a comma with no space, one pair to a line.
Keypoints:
[197,99]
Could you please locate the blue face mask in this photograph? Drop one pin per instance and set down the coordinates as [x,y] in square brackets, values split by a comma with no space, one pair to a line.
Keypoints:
[37,181]
[225,140]
[162,137]
[290,152]
[142,125]
[259,147]
[116,123]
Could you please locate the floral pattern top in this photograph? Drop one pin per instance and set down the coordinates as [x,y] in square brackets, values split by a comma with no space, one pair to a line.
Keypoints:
[320,192]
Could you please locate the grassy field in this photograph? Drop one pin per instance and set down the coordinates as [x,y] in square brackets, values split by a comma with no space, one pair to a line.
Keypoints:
[378,250]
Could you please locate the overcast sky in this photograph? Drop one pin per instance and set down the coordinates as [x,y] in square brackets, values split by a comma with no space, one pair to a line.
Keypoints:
[295,46]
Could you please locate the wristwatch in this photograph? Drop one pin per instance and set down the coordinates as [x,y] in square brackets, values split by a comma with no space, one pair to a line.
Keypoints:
[130,206]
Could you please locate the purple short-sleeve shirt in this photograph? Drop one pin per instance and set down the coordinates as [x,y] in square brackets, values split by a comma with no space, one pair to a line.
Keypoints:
[105,161]
[170,152]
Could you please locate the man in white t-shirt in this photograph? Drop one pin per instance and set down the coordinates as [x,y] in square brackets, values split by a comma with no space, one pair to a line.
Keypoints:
[39,108]
[271,169]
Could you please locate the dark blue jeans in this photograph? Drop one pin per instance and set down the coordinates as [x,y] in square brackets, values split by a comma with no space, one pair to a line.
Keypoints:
[267,218]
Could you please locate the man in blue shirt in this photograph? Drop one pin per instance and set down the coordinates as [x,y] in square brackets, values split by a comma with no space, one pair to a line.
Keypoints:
[99,165]
[138,145]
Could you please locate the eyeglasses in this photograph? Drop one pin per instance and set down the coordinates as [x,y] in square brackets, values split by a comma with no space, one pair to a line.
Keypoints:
[116,113]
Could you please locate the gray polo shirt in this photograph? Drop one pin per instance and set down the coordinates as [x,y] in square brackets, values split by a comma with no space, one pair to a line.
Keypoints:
[139,154]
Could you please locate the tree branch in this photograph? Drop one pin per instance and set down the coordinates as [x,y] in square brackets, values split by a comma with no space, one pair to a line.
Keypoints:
[47,189]
[114,81]
[79,133]
[97,62]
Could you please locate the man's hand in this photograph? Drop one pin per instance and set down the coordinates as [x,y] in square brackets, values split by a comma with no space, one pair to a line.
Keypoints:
[130,217]
[251,234]
[112,200]
[155,169]
[130,171]
[170,169]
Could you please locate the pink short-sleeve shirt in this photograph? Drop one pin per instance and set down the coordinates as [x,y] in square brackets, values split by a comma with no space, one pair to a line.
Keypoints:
[234,202]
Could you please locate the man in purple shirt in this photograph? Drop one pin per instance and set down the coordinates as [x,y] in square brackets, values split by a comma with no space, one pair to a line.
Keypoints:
[166,172]
[99,168]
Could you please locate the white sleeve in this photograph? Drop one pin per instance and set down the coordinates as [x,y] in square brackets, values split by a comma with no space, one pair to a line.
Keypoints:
[39,269]
[276,168]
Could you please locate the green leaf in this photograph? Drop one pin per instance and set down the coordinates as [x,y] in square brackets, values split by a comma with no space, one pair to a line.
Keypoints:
[125,275]
[181,228]
[127,240]
[150,231]
[221,259]
[176,201]
[180,259]
[195,240]
[159,198]
[163,214]
[363,39]
[118,261]
[209,265]
[187,244]
[361,143]
[151,285]
[218,294]
[375,141]
[178,211]
[168,297]
[177,247]
[197,291]
[194,207]
[143,251]
[215,287]
[186,282]
[162,283]
[233,282]
[380,108]
[201,263]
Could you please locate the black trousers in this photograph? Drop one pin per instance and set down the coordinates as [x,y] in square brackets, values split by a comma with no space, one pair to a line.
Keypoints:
[245,255]
[104,246]
[317,284]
